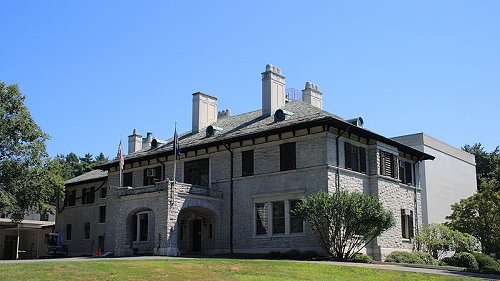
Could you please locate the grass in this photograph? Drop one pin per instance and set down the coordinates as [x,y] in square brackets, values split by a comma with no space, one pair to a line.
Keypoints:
[199,269]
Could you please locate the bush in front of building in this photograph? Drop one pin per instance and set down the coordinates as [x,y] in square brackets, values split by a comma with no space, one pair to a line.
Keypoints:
[344,222]
[360,257]
[486,262]
[427,258]
[404,257]
[463,259]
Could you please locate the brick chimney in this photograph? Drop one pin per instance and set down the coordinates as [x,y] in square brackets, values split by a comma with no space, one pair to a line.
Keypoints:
[134,142]
[204,111]
[312,95]
[273,90]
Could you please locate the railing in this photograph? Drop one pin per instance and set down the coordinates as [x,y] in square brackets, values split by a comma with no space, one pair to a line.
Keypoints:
[167,186]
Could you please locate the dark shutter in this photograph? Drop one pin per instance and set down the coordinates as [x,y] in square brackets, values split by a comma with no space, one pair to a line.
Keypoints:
[408,169]
[158,173]
[354,158]
[84,196]
[287,156]
[402,171]
[102,214]
[347,155]
[247,165]
[146,179]
[362,160]
[72,198]
[90,195]
[403,223]
[410,224]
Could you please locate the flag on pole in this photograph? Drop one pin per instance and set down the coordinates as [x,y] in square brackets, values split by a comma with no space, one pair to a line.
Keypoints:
[176,146]
[119,156]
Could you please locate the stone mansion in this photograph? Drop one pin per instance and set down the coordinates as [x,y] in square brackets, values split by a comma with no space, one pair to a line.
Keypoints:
[238,178]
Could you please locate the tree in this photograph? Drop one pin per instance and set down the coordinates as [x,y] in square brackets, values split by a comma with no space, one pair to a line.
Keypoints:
[344,222]
[479,215]
[437,238]
[29,179]
[487,163]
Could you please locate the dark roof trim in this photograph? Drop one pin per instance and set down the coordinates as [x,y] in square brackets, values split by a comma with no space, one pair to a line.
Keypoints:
[89,180]
[340,124]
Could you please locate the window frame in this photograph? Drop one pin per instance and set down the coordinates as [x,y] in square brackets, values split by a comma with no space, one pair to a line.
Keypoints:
[128,179]
[406,172]
[266,222]
[407,224]
[388,169]
[278,222]
[147,181]
[136,228]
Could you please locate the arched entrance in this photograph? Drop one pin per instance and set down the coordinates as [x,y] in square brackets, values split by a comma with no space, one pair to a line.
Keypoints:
[141,231]
[196,231]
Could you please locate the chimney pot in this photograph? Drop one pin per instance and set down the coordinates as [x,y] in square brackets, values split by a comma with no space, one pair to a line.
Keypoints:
[312,95]
[273,90]
[134,142]
[204,111]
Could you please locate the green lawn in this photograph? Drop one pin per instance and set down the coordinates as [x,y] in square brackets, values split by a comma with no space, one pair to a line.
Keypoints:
[198,269]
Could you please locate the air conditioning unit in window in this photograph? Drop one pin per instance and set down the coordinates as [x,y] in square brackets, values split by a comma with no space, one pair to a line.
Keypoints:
[150,173]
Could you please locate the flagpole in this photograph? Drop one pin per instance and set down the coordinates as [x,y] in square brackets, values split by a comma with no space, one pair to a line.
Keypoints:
[175,150]
[119,156]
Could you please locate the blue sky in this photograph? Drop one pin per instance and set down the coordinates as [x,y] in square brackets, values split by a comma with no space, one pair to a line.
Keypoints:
[92,71]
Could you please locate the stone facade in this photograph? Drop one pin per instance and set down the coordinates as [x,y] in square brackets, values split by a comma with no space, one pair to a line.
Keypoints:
[238,179]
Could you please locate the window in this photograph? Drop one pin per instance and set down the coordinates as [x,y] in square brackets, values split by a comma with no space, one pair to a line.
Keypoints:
[247,163]
[140,227]
[181,232]
[68,231]
[196,172]
[296,223]
[104,192]
[387,164]
[405,172]
[355,158]
[44,217]
[86,230]
[102,214]
[261,224]
[287,156]
[407,223]
[279,217]
[3,215]
[210,231]
[127,179]
[151,175]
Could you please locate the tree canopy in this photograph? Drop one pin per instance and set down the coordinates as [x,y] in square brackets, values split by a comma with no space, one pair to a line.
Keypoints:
[479,215]
[29,179]
[344,222]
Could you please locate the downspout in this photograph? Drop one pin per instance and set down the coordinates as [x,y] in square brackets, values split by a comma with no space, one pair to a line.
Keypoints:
[231,201]
[415,198]
[338,158]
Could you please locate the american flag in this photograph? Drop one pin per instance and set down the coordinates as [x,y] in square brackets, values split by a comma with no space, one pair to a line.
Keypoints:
[176,146]
[119,156]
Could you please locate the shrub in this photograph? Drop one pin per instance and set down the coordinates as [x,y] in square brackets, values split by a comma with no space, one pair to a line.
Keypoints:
[275,254]
[307,255]
[427,258]
[344,222]
[404,257]
[448,261]
[465,260]
[360,257]
[292,254]
[486,262]
[439,237]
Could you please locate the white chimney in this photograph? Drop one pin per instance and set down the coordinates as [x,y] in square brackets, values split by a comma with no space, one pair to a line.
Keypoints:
[204,111]
[273,90]
[312,95]
[146,142]
[134,142]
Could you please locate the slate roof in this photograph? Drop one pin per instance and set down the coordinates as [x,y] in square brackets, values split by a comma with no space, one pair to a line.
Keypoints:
[246,125]
[87,177]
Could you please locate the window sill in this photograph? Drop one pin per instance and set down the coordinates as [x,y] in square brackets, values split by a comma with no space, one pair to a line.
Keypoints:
[406,240]
[278,235]
[140,242]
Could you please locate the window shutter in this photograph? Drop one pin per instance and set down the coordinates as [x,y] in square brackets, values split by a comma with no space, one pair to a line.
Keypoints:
[354,158]
[347,155]
[410,224]
[362,160]
[145,178]
[403,223]
[408,169]
[84,196]
[158,173]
